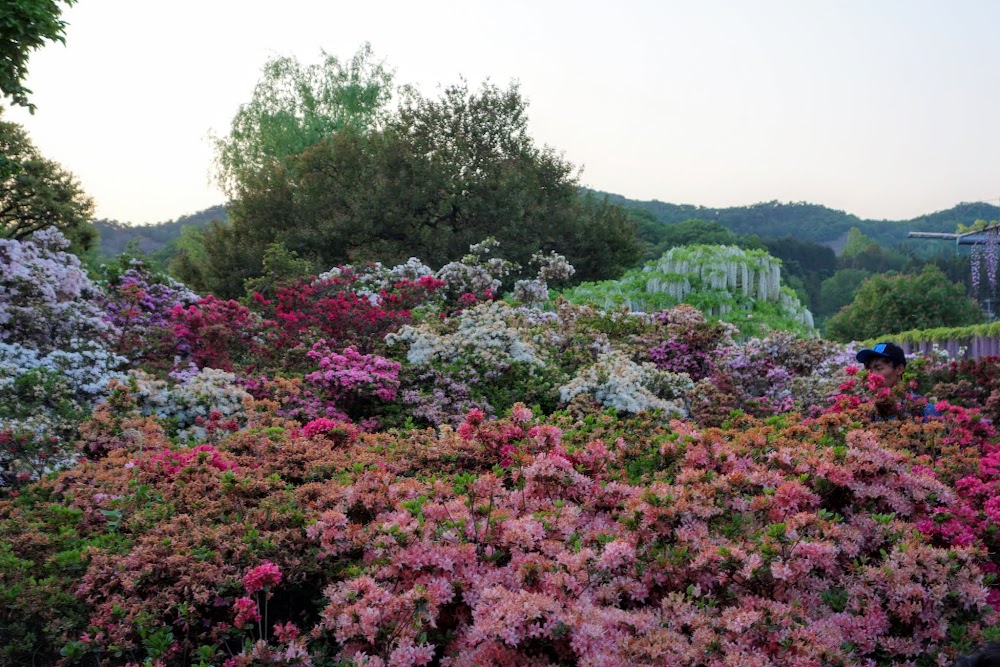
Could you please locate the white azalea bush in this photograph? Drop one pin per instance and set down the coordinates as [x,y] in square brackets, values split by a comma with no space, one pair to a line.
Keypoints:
[55,362]
[616,381]
[47,301]
[208,400]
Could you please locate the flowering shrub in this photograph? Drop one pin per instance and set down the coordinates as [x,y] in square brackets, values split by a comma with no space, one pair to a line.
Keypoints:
[348,379]
[294,398]
[43,398]
[474,279]
[800,514]
[205,402]
[602,541]
[47,302]
[138,304]
[551,268]
[341,307]
[217,334]
[973,383]
[484,336]
[616,381]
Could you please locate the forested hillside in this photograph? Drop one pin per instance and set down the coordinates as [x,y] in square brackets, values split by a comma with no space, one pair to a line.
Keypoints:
[150,238]
[810,222]
[799,220]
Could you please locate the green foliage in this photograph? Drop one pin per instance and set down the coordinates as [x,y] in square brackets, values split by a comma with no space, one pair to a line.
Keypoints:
[433,178]
[862,252]
[280,265]
[297,106]
[25,26]
[189,261]
[941,334]
[662,237]
[839,289]
[36,193]
[805,264]
[891,303]
[977,226]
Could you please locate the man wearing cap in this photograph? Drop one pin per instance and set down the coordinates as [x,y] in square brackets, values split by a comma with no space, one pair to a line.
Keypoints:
[889,361]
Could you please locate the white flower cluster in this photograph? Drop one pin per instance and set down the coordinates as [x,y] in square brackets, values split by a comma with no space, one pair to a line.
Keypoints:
[46,299]
[552,266]
[463,278]
[208,390]
[535,292]
[372,279]
[87,370]
[616,381]
[487,336]
[473,275]
[531,292]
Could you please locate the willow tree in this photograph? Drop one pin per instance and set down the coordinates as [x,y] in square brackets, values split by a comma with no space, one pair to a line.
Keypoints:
[296,106]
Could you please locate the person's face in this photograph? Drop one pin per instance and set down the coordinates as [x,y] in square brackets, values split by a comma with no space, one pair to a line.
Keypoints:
[884,367]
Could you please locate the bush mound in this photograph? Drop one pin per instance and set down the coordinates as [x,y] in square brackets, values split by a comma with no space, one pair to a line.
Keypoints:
[378,467]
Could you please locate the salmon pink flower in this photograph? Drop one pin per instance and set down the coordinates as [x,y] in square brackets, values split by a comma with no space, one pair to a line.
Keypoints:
[246,612]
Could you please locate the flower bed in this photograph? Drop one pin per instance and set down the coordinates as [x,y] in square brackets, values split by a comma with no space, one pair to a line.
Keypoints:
[430,478]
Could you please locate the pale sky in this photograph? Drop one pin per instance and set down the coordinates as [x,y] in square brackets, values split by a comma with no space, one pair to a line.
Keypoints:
[882,108]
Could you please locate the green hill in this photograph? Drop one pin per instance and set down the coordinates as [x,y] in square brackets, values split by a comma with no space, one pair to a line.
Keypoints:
[150,238]
[810,222]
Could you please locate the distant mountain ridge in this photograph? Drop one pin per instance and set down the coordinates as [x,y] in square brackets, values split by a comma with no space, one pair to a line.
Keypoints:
[810,222]
[149,238]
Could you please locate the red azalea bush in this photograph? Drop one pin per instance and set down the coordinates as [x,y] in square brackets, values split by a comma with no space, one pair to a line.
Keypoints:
[336,309]
[214,333]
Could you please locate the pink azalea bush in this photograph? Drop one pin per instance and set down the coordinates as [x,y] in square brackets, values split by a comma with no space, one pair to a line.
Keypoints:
[271,497]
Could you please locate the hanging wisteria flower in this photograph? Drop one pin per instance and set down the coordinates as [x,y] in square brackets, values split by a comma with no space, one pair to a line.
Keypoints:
[992,259]
[975,261]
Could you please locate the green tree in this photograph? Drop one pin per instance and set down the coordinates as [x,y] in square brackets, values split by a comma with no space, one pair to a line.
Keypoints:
[36,193]
[890,303]
[294,107]
[862,252]
[25,26]
[662,237]
[433,178]
[188,260]
[839,290]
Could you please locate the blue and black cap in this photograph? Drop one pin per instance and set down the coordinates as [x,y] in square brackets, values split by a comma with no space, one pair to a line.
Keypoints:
[890,351]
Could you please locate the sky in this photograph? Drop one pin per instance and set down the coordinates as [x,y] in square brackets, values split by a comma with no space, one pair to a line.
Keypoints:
[887,109]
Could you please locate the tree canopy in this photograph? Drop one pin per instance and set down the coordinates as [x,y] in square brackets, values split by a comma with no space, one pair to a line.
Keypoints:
[429,179]
[36,193]
[296,106]
[892,303]
[26,25]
